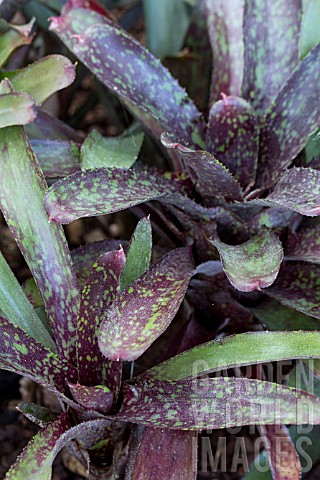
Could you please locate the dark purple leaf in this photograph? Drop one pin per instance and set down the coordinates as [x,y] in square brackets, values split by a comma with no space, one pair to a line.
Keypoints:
[304,245]
[224,18]
[42,244]
[211,178]
[271,51]
[46,127]
[124,65]
[143,311]
[254,264]
[216,403]
[84,257]
[298,287]
[232,138]
[36,459]
[99,397]
[57,158]
[102,191]
[101,288]
[165,454]
[272,217]
[37,414]
[293,116]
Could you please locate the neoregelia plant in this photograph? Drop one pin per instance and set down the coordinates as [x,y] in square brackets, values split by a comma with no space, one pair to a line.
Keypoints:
[239,194]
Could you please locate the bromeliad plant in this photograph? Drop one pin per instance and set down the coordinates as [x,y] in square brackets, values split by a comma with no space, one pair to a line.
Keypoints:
[232,195]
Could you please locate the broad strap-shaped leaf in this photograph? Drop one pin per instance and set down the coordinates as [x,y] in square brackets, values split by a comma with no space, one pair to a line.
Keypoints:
[139,254]
[12,37]
[224,18]
[99,397]
[304,245]
[84,257]
[42,243]
[237,350]
[272,217]
[57,158]
[143,311]
[102,191]
[122,151]
[16,109]
[279,446]
[46,127]
[36,459]
[212,179]
[271,50]
[29,358]
[42,78]
[254,264]
[216,403]
[124,65]
[293,116]
[37,414]
[17,309]
[309,34]
[298,287]
[165,454]
[99,291]
[232,138]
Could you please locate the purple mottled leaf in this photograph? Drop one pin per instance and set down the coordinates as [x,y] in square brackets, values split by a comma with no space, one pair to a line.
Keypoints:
[99,397]
[236,350]
[232,138]
[46,127]
[299,190]
[57,158]
[37,79]
[16,108]
[279,446]
[12,37]
[216,403]
[84,257]
[272,217]
[143,311]
[37,414]
[165,454]
[224,18]
[254,264]
[36,459]
[304,245]
[212,179]
[298,287]
[293,116]
[103,191]
[29,358]
[271,50]
[42,244]
[124,65]
[100,290]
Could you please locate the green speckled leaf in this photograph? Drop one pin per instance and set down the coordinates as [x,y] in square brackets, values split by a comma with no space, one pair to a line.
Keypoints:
[224,18]
[12,37]
[16,109]
[42,244]
[17,309]
[125,66]
[36,459]
[254,264]
[271,37]
[232,138]
[304,245]
[57,158]
[99,291]
[29,358]
[146,308]
[237,350]
[102,191]
[139,254]
[122,151]
[216,403]
[293,116]
[99,397]
[212,179]
[37,414]
[298,287]
[165,454]
[310,32]
[38,79]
